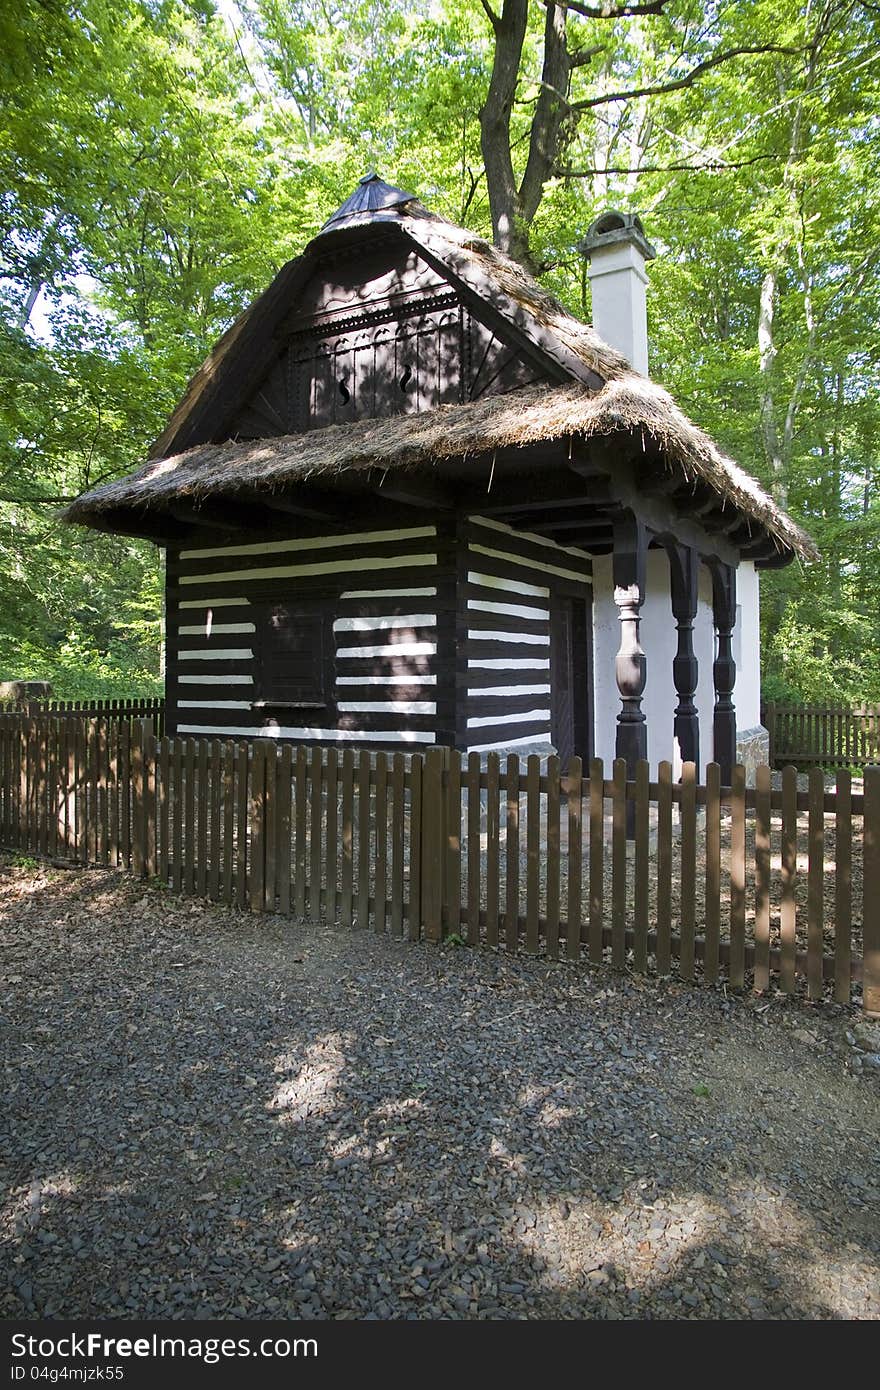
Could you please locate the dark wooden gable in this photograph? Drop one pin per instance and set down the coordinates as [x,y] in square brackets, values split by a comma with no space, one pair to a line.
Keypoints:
[376,331]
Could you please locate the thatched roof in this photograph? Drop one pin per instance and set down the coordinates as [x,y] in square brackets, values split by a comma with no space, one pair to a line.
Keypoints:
[531,415]
[598,394]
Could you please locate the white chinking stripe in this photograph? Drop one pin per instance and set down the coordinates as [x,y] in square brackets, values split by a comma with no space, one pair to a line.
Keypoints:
[500,663]
[510,559]
[211,630]
[310,543]
[215,680]
[392,649]
[220,654]
[379,562]
[532,716]
[213,603]
[510,610]
[214,704]
[535,539]
[512,586]
[324,735]
[371,624]
[514,639]
[386,707]
[508,743]
[478,692]
[417,678]
[428,592]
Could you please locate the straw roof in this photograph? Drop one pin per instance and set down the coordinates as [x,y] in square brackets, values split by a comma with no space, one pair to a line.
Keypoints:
[599,393]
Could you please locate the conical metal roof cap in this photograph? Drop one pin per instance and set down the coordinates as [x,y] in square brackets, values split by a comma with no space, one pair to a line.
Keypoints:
[371,195]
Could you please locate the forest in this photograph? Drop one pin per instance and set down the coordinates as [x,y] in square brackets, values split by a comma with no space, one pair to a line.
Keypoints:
[161,159]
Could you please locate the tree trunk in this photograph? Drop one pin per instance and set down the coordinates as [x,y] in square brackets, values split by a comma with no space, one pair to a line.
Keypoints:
[510,31]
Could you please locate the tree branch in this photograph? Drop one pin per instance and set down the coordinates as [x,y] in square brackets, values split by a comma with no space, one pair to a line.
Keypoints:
[492,16]
[681,82]
[610,11]
[664,168]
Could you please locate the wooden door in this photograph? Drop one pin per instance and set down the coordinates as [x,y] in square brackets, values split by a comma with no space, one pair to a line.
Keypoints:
[569,715]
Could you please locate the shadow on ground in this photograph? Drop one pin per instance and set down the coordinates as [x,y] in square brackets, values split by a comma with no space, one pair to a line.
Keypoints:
[210,1114]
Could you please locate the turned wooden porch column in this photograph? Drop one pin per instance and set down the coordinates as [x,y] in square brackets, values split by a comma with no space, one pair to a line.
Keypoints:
[684,573]
[628,569]
[724,667]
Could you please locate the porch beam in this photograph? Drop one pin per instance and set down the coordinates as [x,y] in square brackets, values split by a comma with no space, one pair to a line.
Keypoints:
[724,667]
[684,572]
[628,572]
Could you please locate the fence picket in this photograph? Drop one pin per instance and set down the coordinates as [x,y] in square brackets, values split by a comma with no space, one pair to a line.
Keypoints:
[331,854]
[228,820]
[257,822]
[641,827]
[762,879]
[738,876]
[380,895]
[787,919]
[618,864]
[414,914]
[283,815]
[432,845]
[511,894]
[215,821]
[597,861]
[713,873]
[574,793]
[189,816]
[871,895]
[815,876]
[664,868]
[688,871]
[300,812]
[347,836]
[452,842]
[843,887]
[474,854]
[553,857]
[270,829]
[493,842]
[398,840]
[202,811]
[363,841]
[316,801]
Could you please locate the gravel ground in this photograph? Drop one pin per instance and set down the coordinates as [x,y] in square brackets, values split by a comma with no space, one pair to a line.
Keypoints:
[210,1114]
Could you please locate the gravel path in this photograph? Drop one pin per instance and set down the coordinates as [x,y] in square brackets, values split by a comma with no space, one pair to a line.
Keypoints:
[215,1115]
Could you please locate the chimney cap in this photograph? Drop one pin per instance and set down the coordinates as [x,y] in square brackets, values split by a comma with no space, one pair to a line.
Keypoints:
[613,228]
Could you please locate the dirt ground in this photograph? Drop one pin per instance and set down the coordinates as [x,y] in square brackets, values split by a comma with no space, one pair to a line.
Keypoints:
[212,1114]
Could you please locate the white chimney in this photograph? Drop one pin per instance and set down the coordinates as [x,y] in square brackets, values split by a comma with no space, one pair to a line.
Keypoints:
[617,249]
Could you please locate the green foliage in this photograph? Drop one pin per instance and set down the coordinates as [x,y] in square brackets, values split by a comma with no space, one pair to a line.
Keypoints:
[160,159]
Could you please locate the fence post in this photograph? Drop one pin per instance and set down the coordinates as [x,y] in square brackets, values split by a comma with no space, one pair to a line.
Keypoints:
[138,807]
[771,732]
[871,880]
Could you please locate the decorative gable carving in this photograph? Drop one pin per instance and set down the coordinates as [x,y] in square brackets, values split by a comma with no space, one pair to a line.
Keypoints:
[373,336]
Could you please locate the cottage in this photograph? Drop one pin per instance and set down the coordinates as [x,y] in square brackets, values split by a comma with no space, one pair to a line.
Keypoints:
[409,499]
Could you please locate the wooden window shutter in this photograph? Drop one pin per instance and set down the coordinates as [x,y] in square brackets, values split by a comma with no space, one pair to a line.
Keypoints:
[294,654]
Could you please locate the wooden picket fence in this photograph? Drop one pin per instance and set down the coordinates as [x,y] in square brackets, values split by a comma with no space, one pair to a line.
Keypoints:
[755,883]
[823,735]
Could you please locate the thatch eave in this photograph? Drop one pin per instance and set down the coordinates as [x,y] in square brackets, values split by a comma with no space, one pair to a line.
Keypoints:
[529,416]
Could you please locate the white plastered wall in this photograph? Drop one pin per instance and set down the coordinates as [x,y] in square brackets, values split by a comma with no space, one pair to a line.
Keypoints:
[747,647]
[659,641]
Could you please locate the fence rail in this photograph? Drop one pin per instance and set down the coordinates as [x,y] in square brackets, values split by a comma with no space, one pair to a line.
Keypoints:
[825,736]
[771,882]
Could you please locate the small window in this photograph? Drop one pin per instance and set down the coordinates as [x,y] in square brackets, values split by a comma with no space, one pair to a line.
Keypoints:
[294,654]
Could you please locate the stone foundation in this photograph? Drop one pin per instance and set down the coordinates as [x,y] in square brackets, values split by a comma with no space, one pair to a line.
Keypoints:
[752,750]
